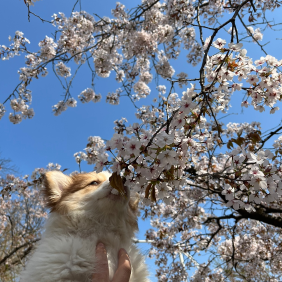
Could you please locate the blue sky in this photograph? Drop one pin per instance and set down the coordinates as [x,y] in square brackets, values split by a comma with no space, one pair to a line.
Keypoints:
[46,138]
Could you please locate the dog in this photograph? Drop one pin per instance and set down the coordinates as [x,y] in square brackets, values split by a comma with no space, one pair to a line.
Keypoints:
[85,209]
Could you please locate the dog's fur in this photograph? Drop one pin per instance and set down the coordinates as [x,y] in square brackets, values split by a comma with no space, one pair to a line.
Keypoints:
[84,210]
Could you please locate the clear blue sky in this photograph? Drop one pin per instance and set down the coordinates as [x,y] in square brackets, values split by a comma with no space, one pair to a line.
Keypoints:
[46,138]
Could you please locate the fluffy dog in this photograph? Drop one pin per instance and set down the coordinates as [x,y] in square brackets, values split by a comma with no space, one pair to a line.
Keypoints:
[85,209]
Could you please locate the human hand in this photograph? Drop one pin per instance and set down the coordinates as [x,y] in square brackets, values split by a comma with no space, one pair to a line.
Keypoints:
[123,271]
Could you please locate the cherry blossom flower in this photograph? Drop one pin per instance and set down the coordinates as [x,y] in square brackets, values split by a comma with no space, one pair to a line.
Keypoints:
[219,43]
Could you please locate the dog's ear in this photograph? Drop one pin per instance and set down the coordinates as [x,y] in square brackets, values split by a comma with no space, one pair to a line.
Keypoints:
[54,185]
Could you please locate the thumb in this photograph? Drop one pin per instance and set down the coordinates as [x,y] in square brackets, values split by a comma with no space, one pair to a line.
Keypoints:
[124,267]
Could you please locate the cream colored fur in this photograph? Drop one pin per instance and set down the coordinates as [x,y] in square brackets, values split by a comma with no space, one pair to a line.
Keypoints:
[82,215]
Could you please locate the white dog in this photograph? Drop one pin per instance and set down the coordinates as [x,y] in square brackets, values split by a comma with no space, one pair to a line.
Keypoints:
[85,209]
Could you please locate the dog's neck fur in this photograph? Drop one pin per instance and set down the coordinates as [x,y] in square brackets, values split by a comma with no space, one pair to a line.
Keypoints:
[112,224]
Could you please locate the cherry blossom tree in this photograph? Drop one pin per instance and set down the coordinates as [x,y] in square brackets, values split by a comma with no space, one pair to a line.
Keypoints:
[22,215]
[208,187]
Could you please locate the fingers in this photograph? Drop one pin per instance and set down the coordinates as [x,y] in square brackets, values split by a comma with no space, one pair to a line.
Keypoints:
[101,267]
[124,267]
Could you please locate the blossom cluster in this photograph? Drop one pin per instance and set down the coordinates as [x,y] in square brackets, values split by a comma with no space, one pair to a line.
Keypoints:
[95,153]
[224,69]
[19,105]
[88,95]
[15,48]
[132,48]
[63,70]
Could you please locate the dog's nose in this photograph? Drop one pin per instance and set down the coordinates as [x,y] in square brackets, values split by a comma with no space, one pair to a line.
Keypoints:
[117,182]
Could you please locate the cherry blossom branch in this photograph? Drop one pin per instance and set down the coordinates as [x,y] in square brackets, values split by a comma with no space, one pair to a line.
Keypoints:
[232,19]
[271,134]
[251,35]
[5,258]
[29,12]
[143,10]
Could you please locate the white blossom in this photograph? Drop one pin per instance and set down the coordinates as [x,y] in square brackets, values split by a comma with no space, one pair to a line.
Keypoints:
[63,70]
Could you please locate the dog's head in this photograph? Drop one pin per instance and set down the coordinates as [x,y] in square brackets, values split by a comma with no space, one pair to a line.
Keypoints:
[86,194]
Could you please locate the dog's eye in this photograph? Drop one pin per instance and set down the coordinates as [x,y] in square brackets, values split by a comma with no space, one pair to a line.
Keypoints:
[94,183]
